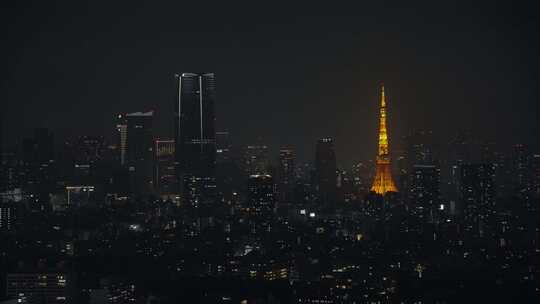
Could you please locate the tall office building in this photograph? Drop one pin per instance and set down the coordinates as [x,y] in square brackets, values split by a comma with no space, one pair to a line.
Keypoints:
[8,215]
[536,174]
[256,159]
[424,193]
[223,147]
[81,157]
[121,128]
[10,173]
[383,181]
[164,170]
[139,151]
[326,170]
[39,167]
[3,182]
[195,137]
[477,194]
[521,169]
[261,193]
[286,173]
[461,150]
[420,148]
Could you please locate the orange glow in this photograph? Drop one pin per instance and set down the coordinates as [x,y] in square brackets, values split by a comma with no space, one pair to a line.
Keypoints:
[383,181]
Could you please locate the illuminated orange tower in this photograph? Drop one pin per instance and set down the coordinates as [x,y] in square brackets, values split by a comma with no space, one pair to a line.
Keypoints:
[383,181]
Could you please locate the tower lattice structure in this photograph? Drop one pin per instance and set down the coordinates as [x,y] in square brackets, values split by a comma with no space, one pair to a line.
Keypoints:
[383,181]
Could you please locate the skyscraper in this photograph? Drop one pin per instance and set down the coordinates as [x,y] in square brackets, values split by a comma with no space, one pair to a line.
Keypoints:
[195,136]
[536,174]
[424,193]
[286,173]
[2,176]
[39,166]
[223,147]
[261,193]
[522,173]
[121,128]
[164,171]
[256,159]
[8,215]
[139,151]
[383,181]
[326,170]
[477,192]
[419,148]
[81,157]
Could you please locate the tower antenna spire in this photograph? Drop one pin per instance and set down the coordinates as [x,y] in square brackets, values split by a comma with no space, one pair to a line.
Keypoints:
[383,178]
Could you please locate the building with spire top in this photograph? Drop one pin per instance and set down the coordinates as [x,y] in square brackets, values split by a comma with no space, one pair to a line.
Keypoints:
[383,181]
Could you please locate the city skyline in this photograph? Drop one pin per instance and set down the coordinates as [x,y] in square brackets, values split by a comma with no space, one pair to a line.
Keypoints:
[456,72]
[172,152]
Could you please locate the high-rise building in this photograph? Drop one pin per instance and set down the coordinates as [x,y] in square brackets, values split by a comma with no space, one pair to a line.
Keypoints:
[8,215]
[286,173]
[139,151]
[521,165]
[477,194]
[195,137]
[326,170]
[223,147]
[420,148]
[383,181]
[121,128]
[256,159]
[361,178]
[536,174]
[38,174]
[10,173]
[424,193]
[261,193]
[3,182]
[81,157]
[164,171]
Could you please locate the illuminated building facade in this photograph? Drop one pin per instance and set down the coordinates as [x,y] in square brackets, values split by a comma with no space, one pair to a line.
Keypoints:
[164,174]
[8,214]
[383,181]
[477,193]
[261,193]
[195,137]
[121,128]
[424,192]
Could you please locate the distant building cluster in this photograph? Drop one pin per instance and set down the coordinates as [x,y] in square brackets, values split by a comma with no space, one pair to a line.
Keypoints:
[197,218]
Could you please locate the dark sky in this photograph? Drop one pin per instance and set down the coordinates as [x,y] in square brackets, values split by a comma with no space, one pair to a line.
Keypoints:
[287,72]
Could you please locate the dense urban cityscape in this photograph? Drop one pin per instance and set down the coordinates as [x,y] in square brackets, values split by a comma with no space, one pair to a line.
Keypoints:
[164,152]
[162,220]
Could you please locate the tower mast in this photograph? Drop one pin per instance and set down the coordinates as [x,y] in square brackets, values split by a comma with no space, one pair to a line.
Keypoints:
[383,181]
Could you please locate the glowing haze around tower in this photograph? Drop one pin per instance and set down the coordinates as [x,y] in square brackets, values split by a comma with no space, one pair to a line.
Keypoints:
[383,181]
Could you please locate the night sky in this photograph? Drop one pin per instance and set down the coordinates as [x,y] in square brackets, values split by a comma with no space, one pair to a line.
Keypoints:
[288,73]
